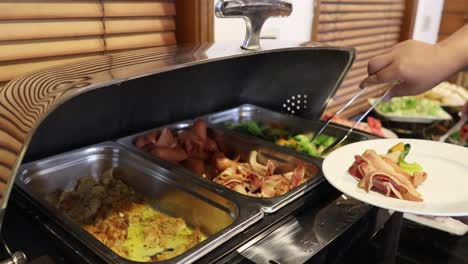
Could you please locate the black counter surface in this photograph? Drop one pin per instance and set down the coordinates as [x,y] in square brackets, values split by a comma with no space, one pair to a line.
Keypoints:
[399,241]
[26,230]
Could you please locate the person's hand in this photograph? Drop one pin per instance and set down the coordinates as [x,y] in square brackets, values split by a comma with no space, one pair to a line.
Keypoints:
[416,65]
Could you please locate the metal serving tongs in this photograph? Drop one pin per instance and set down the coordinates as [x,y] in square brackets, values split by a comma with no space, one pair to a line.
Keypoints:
[15,258]
[350,130]
[457,126]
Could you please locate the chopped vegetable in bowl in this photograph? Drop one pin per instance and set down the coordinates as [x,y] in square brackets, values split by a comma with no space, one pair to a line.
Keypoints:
[411,106]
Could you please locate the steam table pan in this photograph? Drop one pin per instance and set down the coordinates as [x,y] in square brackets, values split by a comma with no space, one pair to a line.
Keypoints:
[219,215]
[236,144]
[294,124]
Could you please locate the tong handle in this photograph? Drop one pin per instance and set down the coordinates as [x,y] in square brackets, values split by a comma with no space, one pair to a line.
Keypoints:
[254,13]
[350,130]
[16,258]
[329,120]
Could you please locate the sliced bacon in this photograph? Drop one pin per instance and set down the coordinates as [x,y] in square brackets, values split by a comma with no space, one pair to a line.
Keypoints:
[195,165]
[381,174]
[174,155]
[199,127]
[297,177]
[200,154]
[255,179]
[166,139]
[418,178]
[246,170]
[190,141]
[152,136]
[229,176]
[210,145]
[141,142]
[274,185]
[146,139]
[270,168]
[254,182]
[379,165]
[387,186]
[222,163]
[239,188]
[261,169]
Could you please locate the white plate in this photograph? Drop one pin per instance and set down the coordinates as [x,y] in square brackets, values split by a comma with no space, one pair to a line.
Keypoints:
[445,191]
[413,118]
[388,133]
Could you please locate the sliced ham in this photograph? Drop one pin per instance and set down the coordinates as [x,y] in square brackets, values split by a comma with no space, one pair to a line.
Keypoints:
[382,174]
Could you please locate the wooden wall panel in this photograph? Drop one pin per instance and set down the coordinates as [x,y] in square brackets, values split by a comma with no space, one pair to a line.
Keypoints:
[41,33]
[372,27]
[451,22]
[195,21]
[455,6]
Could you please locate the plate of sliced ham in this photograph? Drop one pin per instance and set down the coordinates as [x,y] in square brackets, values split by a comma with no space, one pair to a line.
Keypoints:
[404,175]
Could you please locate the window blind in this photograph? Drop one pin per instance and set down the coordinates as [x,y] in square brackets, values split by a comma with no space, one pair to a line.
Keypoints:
[371,27]
[35,34]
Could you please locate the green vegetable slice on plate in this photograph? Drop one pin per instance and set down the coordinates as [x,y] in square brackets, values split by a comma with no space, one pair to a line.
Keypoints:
[398,154]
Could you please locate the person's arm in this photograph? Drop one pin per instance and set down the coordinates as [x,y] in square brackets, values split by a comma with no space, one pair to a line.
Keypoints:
[419,66]
[457,46]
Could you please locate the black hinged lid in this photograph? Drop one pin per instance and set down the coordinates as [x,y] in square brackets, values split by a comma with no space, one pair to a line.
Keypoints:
[128,92]
[83,103]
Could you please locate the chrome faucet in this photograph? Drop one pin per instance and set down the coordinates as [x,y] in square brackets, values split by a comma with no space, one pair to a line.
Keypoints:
[254,13]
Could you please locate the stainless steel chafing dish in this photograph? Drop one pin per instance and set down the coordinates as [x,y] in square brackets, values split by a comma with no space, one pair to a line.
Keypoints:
[79,105]
[238,145]
[219,215]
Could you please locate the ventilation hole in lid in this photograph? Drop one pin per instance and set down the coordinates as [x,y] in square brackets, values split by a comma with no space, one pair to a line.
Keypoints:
[284,105]
[288,101]
[305,101]
[298,101]
[298,96]
[292,103]
[289,108]
[293,97]
[298,108]
[292,111]
[305,95]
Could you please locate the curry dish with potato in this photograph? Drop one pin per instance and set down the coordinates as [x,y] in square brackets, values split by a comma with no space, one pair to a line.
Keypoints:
[125,222]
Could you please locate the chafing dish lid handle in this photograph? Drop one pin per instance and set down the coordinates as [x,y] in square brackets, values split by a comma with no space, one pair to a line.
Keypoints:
[254,13]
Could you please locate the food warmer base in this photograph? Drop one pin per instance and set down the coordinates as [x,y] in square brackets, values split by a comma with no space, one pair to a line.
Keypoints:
[220,216]
[125,94]
[300,229]
[28,229]
[25,229]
